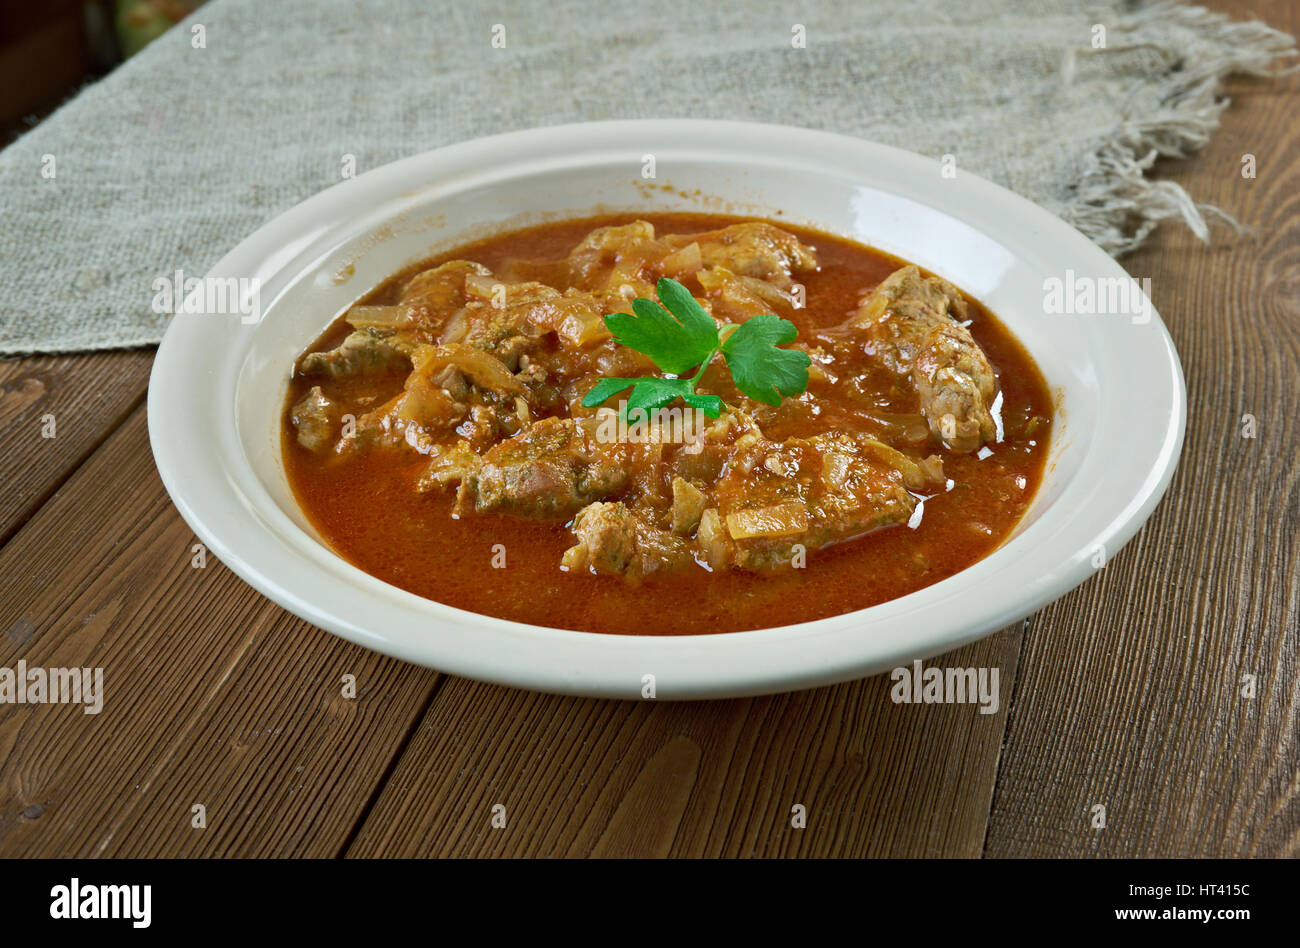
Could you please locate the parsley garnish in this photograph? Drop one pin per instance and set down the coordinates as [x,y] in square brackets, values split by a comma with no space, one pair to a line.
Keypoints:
[684,336]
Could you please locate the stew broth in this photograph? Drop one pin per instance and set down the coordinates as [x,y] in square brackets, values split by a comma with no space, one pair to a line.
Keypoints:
[365,508]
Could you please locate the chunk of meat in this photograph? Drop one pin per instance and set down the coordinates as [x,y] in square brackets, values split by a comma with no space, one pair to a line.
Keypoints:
[407,419]
[912,323]
[510,320]
[753,249]
[703,460]
[315,417]
[615,539]
[365,350]
[452,387]
[775,499]
[497,318]
[449,465]
[549,471]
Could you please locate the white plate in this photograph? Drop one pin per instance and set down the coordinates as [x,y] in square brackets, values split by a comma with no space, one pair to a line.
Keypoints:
[219,384]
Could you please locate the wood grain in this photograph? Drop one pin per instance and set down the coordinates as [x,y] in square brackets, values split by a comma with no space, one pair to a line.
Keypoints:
[87,396]
[1131,688]
[212,694]
[720,778]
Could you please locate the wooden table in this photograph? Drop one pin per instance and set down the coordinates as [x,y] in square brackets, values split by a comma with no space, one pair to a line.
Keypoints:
[1127,693]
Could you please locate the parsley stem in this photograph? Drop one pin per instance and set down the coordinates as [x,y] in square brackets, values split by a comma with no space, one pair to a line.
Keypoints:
[695,379]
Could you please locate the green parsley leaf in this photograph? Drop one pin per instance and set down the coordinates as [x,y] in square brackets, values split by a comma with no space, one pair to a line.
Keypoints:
[605,389]
[686,308]
[674,344]
[649,394]
[711,405]
[684,336]
[761,370]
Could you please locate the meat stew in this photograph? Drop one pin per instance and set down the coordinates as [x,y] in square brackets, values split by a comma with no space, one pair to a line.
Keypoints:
[436,435]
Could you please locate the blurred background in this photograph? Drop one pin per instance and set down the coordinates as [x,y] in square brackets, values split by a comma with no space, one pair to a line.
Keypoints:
[51,48]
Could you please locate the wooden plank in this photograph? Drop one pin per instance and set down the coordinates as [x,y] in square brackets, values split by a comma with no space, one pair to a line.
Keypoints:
[581,777]
[1129,695]
[1131,689]
[86,396]
[212,695]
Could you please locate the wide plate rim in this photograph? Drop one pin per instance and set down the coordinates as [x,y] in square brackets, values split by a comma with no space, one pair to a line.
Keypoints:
[584,662]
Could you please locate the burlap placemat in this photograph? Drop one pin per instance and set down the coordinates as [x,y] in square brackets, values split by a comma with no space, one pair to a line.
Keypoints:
[247,108]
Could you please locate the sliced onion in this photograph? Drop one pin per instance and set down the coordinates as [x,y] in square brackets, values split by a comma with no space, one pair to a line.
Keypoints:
[767,292]
[381,317]
[481,286]
[482,368]
[908,427]
[578,325]
[778,520]
[456,328]
[687,260]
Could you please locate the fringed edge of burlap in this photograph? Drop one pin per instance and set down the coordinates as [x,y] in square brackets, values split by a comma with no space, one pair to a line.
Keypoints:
[1115,202]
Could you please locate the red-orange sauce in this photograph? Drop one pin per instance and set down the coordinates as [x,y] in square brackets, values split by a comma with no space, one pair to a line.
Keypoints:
[367,510]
